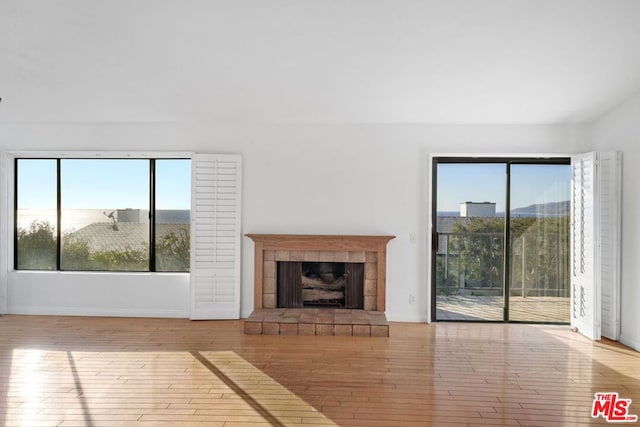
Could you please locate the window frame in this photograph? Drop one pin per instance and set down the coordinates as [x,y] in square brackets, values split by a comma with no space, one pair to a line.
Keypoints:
[508,160]
[15,213]
[58,157]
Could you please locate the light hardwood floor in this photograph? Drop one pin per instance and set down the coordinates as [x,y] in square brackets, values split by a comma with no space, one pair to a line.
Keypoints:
[73,371]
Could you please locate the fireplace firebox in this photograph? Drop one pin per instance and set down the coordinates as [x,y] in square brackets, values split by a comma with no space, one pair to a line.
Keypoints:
[320,284]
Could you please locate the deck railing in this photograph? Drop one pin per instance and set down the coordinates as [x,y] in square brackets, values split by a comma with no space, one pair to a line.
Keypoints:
[472,264]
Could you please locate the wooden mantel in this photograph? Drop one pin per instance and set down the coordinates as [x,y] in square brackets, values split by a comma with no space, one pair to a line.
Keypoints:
[371,250]
[320,242]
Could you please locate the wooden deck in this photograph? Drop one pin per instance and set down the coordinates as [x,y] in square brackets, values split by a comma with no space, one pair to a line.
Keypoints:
[72,371]
[529,309]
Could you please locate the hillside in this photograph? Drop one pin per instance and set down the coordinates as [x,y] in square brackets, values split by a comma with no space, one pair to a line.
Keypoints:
[545,209]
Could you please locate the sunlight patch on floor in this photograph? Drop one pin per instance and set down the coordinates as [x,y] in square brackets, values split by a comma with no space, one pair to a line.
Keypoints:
[125,388]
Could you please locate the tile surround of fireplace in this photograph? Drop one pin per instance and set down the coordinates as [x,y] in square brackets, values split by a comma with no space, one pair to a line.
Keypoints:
[272,248]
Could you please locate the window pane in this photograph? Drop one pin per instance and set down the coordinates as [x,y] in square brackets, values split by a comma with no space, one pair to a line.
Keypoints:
[539,285]
[36,214]
[173,204]
[471,199]
[105,214]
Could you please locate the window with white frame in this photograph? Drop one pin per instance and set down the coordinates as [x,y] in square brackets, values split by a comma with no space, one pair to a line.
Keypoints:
[102,214]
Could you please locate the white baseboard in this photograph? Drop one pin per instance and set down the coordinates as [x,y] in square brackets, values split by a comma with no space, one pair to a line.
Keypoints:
[634,344]
[98,312]
[403,317]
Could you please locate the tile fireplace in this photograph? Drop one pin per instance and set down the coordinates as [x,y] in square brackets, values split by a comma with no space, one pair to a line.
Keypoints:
[344,273]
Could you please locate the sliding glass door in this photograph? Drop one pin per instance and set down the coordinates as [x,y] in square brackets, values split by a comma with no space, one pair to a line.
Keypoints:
[470,233]
[501,240]
[539,243]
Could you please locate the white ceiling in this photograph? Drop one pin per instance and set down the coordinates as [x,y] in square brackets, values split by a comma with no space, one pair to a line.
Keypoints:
[322,61]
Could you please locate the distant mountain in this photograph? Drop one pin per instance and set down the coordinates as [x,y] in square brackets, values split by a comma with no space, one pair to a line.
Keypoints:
[552,209]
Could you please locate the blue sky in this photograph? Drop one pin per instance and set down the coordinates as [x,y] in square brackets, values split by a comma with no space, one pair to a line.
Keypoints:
[103,184]
[480,182]
[121,184]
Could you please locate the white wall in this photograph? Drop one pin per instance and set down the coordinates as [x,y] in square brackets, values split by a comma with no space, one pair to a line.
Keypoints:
[346,179]
[620,130]
[99,294]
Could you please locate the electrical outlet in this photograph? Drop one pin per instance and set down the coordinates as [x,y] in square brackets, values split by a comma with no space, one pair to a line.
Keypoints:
[412,299]
[412,238]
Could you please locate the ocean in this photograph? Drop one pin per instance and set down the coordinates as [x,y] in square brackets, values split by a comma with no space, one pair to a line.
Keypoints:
[75,219]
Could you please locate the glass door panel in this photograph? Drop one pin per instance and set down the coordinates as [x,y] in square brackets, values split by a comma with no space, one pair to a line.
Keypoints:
[539,243]
[470,227]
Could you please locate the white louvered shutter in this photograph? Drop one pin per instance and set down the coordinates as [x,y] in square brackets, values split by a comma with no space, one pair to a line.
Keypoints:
[216,236]
[609,191]
[585,298]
